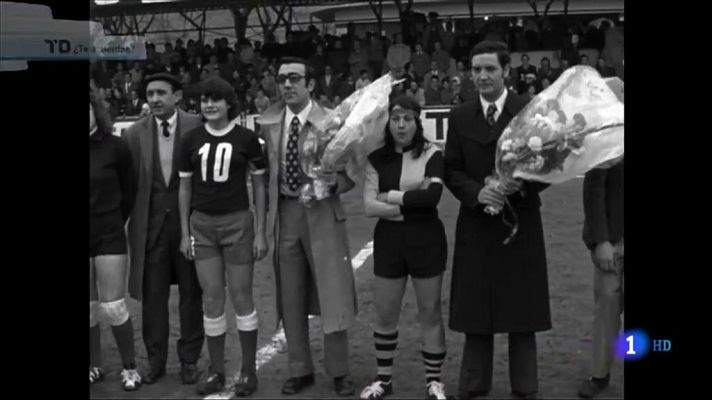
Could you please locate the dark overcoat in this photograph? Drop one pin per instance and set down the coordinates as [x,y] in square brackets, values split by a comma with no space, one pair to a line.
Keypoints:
[495,287]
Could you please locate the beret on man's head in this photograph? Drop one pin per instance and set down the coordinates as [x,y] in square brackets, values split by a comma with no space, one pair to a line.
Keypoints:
[166,77]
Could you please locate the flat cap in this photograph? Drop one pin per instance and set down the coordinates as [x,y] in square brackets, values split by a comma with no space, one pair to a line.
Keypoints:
[165,76]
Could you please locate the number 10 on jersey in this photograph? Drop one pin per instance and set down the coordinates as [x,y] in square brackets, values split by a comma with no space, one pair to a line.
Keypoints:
[221,164]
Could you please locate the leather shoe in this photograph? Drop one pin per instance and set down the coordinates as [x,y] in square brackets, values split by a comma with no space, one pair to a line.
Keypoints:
[189,374]
[153,376]
[344,386]
[297,384]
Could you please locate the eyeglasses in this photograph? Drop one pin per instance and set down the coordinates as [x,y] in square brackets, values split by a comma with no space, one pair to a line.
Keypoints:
[293,78]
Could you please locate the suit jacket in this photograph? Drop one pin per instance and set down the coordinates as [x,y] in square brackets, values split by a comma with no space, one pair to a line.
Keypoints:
[332,293]
[139,137]
[132,110]
[495,287]
[127,92]
[330,89]
[603,205]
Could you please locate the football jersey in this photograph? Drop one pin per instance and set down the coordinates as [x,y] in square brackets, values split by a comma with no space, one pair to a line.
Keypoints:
[218,162]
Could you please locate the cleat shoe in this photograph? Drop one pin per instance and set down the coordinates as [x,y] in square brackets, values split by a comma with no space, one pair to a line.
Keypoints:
[130,380]
[436,390]
[377,390]
[246,384]
[215,382]
[95,374]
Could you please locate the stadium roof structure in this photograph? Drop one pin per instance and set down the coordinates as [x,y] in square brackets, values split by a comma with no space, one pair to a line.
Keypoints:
[113,8]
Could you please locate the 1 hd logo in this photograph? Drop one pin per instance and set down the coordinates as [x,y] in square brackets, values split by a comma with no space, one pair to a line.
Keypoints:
[636,344]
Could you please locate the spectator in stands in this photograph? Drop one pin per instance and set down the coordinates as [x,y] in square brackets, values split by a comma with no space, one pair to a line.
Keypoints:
[363,80]
[432,93]
[398,55]
[102,75]
[531,92]
[522,72]
[545,83]
[604,69]
[358,59]
[136,74]
[346,87]
[262,102]
[239,83]
[375,56]
[448,36]
[565,64]
[325,102]
[545,70]
[204,74]
[433,32]
[312,88]
[456,84]
[328,83]
[338,58]
[434,71]
[440,56]
[570,49]
[182,53]
[119,101]
[213,64]
[337,100]
[127,85]
[410,74]
[269,85]
[459,72]
[584,60]
[248,104]
[146,110]
[446,91]
[416,93]
[318,60]
[254,86]
[421,61]
[118,77]
[133,105]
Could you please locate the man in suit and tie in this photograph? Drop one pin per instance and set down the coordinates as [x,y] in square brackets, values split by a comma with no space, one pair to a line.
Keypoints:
[312,263]
[154,232]
[133,104]
[496,288]
[127,86]
[329,83]
[603,235]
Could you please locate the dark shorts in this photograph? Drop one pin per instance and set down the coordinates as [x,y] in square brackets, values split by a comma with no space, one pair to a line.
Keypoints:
[416,248]
[229,236]
[106,235]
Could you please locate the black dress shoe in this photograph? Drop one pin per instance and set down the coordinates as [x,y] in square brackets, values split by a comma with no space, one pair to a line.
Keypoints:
[344,386]
[297,384]
[153,376]
[246,384]
[189,374]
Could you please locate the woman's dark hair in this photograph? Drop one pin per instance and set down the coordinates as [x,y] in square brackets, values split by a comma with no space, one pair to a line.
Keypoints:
[407,103]
[101,114]
[217,88]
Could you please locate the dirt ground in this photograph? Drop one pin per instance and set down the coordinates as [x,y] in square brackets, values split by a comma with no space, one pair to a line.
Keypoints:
[564,352]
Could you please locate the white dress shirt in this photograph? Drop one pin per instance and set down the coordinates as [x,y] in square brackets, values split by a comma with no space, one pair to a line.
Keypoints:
[499,103]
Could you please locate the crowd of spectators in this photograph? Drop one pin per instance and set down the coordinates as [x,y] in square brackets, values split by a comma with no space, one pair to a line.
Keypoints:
[434,63]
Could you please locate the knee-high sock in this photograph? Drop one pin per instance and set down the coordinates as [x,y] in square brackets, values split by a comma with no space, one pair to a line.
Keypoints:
[247,330]
[215,329]
[386,344]
[94,346]
[433,365]
[125,341]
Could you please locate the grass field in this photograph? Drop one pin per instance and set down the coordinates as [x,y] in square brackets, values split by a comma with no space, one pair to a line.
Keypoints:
[564,351]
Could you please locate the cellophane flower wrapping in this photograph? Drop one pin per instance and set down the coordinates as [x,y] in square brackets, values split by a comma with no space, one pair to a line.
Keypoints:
[573,126]
[344,137]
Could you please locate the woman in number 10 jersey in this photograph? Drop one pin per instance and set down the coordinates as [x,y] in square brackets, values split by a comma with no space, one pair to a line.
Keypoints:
[217,226]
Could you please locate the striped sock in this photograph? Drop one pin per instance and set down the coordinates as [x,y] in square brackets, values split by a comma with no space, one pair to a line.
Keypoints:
[386,344]
[433,364]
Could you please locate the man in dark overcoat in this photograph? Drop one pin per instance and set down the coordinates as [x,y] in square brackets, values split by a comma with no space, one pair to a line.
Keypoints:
[496,288]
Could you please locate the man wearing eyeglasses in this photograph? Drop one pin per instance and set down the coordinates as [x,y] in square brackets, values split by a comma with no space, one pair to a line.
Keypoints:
[310,247]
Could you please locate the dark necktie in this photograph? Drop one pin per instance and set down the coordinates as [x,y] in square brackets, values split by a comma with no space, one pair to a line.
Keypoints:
[490,114]
[166,133]
[293,177]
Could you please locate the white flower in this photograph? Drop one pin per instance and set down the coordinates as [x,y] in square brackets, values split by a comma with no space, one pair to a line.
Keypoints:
[535,143]
[536,164]
[509,156]
[517,144]
[507,145]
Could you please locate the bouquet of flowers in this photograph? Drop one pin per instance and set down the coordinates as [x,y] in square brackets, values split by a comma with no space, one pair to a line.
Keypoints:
[342,139]
[573,126]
